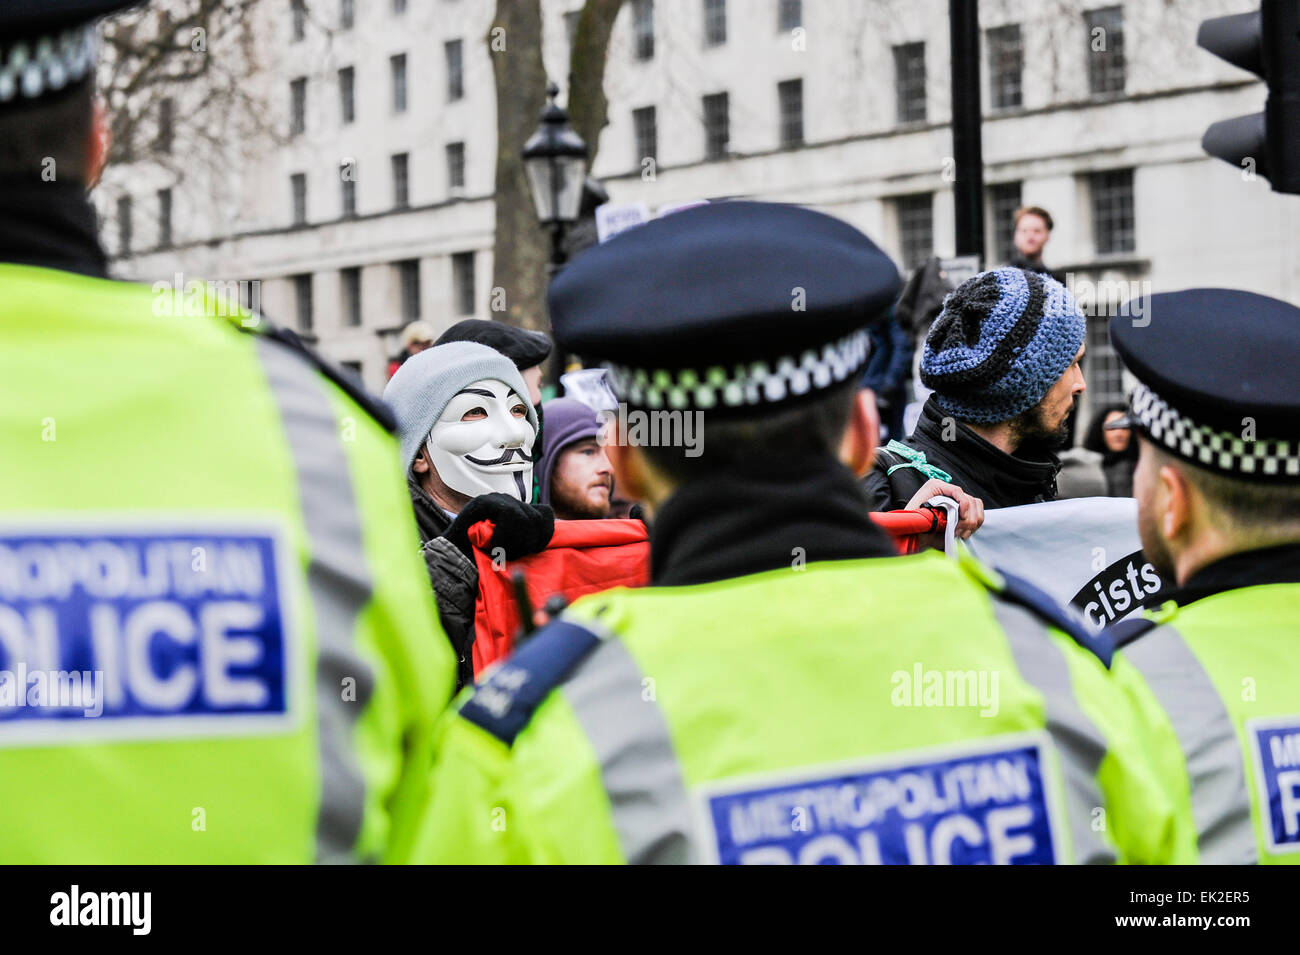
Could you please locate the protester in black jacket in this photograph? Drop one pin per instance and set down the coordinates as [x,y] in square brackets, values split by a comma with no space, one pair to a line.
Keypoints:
[1003,360]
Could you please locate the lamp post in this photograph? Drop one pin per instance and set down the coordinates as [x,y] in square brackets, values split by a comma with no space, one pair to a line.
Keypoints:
[555,161]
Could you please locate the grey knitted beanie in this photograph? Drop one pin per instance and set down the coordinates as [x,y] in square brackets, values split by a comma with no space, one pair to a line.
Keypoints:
[426,382]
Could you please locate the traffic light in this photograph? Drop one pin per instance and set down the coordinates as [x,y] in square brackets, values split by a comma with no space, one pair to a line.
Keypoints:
[1267,43]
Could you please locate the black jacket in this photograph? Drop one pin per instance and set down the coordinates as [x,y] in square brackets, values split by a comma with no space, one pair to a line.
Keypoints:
[454,578]
[973,464]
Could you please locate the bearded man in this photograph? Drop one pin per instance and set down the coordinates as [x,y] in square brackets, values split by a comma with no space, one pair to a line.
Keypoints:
[1003,359]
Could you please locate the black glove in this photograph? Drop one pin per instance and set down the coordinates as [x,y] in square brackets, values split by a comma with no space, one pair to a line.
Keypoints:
[521,529]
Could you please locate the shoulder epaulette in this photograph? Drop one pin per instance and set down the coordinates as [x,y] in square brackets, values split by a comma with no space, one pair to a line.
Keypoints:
[505,702]
[1124,632]
[1022,593]
[348,385]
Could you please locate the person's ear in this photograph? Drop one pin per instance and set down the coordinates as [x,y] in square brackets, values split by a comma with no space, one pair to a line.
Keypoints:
[629,469]
[421,463]
[97,146]
[862,434]
[1175,498]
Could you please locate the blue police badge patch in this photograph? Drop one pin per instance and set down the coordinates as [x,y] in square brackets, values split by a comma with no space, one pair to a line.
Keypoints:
[128,632]
[1277,777]
[990,803]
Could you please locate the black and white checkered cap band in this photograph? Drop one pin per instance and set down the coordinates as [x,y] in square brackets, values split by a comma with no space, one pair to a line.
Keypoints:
[1218,450]
[744,385]
[35,66]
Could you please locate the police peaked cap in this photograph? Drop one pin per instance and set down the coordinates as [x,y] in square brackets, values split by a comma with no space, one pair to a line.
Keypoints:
[48,45]
[1217,380]
[725,306]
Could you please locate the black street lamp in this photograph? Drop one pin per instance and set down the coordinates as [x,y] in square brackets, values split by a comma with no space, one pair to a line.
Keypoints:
[555,161]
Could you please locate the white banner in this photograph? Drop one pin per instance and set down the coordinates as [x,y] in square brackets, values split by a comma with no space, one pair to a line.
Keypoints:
[1085,552]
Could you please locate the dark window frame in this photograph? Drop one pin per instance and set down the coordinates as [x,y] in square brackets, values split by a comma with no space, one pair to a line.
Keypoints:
[408,281]
[400,166]
[455,153]
[348,95]
[1107,71]
[715,22]
[1004,198]
[298,106]
[298,197]
[1111,200]
[717,135]
[455,69]
[304,303]
[789,15]
[125,225]
[463,282]
[912,211]
[789,97]
[350,296]
[399,80]
[643,29]
[646,135]
[166,237]
[910,100]
[1005,53]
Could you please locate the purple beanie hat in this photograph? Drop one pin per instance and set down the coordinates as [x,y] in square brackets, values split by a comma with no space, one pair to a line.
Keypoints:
[567,422]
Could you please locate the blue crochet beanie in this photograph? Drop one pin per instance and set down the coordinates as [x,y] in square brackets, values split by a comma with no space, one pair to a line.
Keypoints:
[1003,339]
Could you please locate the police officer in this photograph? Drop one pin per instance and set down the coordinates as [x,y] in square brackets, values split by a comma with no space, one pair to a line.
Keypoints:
[1217,414]
[216,644]
[787,690]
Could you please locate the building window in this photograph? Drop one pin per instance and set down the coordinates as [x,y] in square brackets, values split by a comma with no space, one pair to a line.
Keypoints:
[298,13]
[1103,369]
[397,67]
[643,29]
[647,134]
[456,165]
[298,106]
[462,279]
[789,15]
[303,301]
[789,94]
[164,218]
[717,128]
[401,181]
[353,368]
[1112,210]
[350,293]
[455,70]
[349,185]
[915,228]
[125,225]
[166,125]
[1105,50]
[715,22]
[1004,200]
[399,7]
[348,94]
[298,189]
[909,82]
[347,14]
[1006,64]
[408,274]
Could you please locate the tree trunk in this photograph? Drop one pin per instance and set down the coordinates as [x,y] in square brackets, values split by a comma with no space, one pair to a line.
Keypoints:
[520,247]
[588,107]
